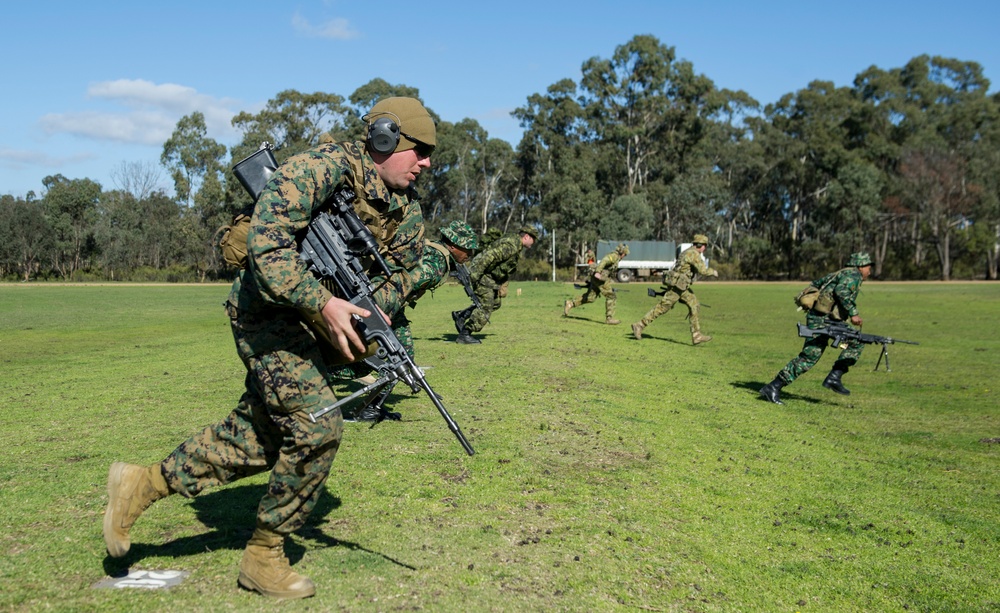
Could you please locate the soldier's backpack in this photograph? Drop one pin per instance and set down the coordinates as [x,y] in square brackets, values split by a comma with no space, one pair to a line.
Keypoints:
[812,297]
[807,297]
[253,173]
[234,239]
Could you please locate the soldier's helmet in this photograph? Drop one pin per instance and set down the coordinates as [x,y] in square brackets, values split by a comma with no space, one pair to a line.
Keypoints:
[530,231]
[622,249]
[461,235]
[700,239]
[861,258]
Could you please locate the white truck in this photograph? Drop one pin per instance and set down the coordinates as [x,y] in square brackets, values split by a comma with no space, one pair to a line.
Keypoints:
[645,258]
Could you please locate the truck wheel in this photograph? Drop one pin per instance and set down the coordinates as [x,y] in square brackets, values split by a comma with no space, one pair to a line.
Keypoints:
[624,275]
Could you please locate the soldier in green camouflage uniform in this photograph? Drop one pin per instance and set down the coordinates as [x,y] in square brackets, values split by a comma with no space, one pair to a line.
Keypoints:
[279,312]
[837,301]
[490,271]
[599,284]
[677,288]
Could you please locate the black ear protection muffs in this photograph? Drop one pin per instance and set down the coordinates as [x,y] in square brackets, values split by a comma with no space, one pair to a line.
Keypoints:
[383,135]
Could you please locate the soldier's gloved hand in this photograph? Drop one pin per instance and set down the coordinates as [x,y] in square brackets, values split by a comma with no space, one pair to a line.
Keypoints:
[715,273]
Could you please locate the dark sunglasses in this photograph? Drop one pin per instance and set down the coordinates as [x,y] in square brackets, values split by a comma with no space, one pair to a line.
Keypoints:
[423,149]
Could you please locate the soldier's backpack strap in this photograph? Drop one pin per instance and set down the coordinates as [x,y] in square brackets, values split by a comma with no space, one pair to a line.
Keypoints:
[447,259]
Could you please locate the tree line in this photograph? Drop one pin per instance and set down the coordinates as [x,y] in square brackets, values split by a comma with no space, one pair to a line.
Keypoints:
[900,164]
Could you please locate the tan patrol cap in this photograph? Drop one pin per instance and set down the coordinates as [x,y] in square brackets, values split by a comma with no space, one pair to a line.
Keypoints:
[415,124]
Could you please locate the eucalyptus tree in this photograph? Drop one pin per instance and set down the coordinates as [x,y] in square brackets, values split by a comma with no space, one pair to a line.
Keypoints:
[472,178]
[27,240]
[986,212]
[819,192]
[195,162]
[558,167]
[71,207]
[191,156]
[143,232]
[292,121]
[933,120]
[648,114]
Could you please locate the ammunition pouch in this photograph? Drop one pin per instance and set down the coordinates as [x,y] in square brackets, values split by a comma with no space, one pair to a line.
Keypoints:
[234,239]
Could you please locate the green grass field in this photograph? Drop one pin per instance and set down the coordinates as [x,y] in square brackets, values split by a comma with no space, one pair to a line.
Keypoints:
[610,474]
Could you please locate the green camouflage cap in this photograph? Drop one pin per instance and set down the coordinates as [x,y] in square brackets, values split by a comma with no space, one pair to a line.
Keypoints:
[700,239]
[622,248]
[461,235]
[859,259]
[530,231]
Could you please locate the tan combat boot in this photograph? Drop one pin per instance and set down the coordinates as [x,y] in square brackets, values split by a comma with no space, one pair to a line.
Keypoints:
[265,569]
[566,307]
[131,489]
[611,321]
[698,338]
[637,330]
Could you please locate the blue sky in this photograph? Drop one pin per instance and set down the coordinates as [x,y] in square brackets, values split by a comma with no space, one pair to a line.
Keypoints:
[90,86]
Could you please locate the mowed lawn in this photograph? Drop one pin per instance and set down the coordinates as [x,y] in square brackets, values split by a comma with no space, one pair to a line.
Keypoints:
[610,474]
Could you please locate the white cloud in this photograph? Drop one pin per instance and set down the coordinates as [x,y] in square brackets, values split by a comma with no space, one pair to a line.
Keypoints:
[336,29]
[22,158]
[152,112]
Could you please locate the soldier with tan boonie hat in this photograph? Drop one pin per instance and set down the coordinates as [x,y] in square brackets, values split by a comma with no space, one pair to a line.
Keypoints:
[599,283]
[677,288]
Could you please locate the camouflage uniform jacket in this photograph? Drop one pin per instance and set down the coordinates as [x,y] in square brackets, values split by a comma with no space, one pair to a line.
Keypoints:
[690,263]
[435,264]
[841,288]
[276,277]
[498,261]
[608,265]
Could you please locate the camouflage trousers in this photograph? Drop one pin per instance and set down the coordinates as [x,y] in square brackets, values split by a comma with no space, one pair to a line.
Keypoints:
[270,429]
[401,326]
[593,291]
[488,293]
[812,351]
[672,296]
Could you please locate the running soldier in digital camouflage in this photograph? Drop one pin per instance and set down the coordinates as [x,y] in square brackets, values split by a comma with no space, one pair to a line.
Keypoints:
[677,288]
[600,283]
[837,300]
[490,271]
[280,314]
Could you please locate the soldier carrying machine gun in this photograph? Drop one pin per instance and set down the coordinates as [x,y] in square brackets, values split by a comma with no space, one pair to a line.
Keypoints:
[841,333]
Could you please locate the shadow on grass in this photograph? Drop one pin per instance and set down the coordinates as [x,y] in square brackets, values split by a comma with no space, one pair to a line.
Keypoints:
[583,318]
[450,338]
[645,335]
[232,514]
[754,387]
